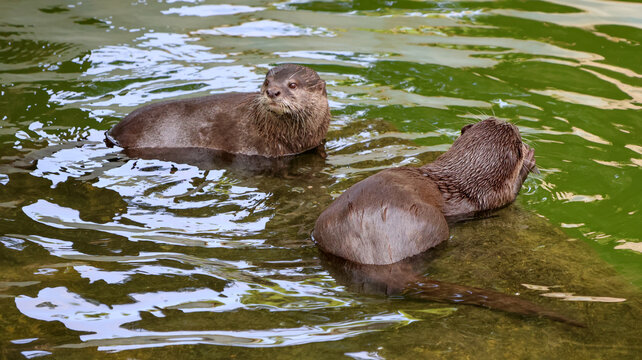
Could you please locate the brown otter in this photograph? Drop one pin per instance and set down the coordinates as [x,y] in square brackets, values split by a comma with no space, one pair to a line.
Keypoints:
[401,212]
[375,235]
[289,115]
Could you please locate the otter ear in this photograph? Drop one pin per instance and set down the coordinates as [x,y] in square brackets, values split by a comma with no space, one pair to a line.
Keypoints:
[465,128]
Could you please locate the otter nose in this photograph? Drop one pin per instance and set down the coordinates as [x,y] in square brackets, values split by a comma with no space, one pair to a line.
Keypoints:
[272,92]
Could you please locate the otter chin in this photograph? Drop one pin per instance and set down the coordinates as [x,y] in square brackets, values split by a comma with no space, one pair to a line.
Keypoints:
[289,115]
[401,212]
[276,108]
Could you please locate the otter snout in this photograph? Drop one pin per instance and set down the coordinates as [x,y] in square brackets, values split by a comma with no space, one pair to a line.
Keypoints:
[273,93]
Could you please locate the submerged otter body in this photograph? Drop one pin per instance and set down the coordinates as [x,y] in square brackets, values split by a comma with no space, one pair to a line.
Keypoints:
[404,278]
[289,115]
[401,212]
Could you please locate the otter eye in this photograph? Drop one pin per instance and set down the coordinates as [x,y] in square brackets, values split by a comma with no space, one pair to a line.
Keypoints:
[266,83]
[292,85]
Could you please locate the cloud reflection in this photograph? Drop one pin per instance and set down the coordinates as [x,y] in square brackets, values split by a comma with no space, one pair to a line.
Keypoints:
[267,29]
[212,10]
[104,324]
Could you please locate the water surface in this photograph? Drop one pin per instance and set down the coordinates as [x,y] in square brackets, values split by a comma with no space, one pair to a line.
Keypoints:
[108,256]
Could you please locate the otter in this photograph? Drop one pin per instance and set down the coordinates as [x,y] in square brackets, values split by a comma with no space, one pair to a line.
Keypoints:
[401,212]
[374,237]
[290,115]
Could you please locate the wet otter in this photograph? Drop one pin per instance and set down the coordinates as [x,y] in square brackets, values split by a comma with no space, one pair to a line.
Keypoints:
[289,115]
[374,237]
[401,212]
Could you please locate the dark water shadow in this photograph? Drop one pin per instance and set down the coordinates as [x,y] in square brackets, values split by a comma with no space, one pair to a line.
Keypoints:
[405,278]
[238,164]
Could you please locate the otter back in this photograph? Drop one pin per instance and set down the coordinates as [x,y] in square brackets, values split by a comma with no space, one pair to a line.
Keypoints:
[204,122]
[383,219]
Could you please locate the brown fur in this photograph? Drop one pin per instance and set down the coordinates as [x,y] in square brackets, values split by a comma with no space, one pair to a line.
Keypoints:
[277,121]
[401,212]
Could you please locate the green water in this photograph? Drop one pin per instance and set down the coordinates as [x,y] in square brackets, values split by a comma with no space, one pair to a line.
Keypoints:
[103,256]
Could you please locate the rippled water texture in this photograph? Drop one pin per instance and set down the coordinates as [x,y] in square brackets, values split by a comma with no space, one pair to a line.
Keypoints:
[105,256]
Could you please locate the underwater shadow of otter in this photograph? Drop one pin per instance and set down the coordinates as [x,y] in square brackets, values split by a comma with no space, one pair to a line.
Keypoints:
[405,278]
[238,164]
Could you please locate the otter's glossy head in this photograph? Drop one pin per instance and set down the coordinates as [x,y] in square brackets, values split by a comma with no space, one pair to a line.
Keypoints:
[507,143]
[500,143]
[293,89]
[489,162]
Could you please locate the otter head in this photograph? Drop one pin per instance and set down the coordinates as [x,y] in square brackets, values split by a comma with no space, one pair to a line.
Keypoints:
[294,90]
[488,163]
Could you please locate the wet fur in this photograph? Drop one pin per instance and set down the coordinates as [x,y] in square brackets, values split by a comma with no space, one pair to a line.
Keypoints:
[240,123]
[401,212]
[374,237]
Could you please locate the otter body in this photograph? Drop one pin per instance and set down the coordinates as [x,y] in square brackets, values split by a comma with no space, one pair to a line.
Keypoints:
[387,217]
[290,115]
[401,212]
[374,237]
